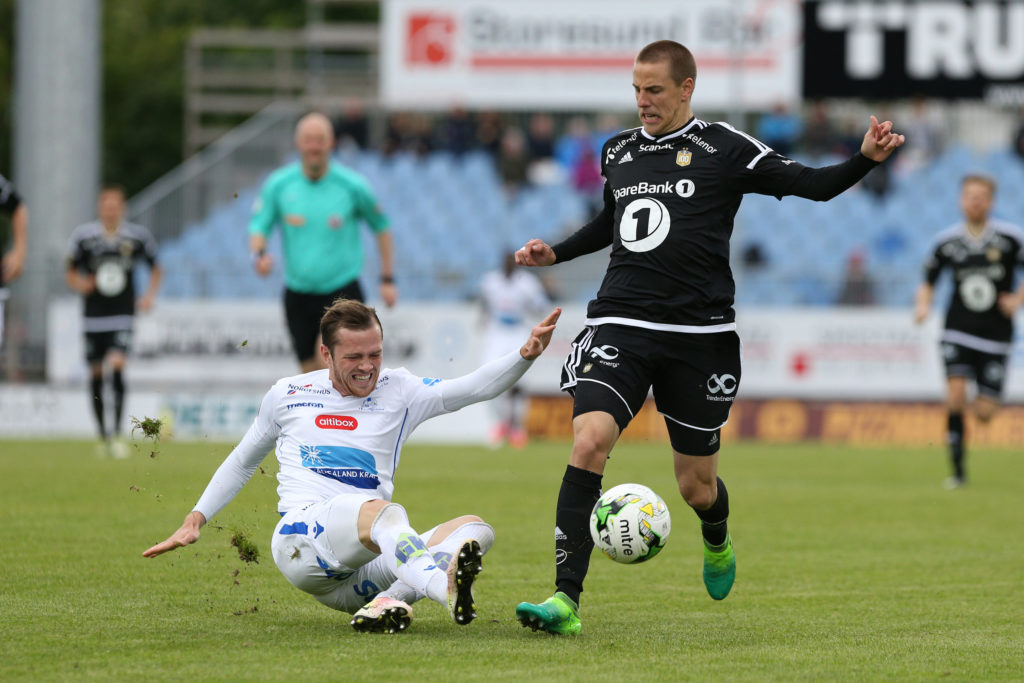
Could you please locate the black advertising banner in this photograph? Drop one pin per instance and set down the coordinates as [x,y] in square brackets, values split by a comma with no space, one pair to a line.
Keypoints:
[890,49]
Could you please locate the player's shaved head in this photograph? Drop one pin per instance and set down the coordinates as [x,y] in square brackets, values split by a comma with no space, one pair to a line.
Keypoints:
[314,123]
[314,138]
[681,63]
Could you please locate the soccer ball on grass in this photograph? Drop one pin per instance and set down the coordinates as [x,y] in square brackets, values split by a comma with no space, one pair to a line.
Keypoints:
[630,523]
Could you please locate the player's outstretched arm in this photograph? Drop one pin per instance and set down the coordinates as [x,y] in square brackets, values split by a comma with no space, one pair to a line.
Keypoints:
[495,376]
[922,302]
[540,336]
[880,141]
[187,534]
[535,253]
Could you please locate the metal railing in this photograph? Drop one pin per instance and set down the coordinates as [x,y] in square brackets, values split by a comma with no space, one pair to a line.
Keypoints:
[237,160]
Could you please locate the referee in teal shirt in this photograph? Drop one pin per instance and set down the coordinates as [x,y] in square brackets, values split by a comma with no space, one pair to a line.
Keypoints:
[318,204]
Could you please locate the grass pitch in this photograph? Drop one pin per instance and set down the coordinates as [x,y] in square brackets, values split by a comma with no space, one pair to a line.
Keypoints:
[853,564]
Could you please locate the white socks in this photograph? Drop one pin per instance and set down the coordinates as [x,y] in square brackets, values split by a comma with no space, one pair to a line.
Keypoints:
[414,564]
[443,553]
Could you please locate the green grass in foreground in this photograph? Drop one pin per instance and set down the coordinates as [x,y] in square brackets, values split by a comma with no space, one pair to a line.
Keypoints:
[854,564]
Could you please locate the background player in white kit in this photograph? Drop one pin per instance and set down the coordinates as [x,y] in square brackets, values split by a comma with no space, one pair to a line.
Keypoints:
[510,296]
[338,435]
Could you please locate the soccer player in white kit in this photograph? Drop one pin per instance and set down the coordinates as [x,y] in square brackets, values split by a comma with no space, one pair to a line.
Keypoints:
[338,435]
[509,296]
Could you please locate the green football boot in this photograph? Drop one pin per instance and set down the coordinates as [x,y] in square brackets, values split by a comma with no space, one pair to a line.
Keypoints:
[719,568]
[558,614]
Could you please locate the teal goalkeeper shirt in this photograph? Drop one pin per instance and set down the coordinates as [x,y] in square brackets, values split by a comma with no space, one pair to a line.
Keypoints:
[323,248]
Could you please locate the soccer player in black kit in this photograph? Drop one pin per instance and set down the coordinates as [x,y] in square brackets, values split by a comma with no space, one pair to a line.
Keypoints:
[663,317]
[983,255]
[14,260]
[101,267]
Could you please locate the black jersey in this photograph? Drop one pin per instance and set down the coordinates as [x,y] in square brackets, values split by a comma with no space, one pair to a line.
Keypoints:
[669,209]
[112,259]
[9,199]
[9,202]
[983,267]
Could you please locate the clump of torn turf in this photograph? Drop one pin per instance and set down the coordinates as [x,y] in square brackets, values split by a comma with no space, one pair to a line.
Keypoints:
[247,550]
[149,426]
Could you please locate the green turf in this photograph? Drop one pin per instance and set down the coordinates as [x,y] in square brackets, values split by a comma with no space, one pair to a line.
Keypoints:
[854,564]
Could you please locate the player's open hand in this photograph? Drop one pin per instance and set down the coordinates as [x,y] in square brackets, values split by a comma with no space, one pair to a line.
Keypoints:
[187,534]
[1008,303]
[540,336]
[535,253]
[880,141]
[263,264]
[12,265]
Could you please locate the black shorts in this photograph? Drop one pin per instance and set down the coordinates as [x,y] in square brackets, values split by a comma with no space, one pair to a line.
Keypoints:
[99,344]
[988,370]
[303,312]
[695,378]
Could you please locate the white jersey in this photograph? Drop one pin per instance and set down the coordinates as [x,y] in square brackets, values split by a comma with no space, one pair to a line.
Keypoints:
[509,303]
[328,444]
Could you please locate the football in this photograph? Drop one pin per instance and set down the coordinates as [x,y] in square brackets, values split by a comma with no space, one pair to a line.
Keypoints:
[630,523]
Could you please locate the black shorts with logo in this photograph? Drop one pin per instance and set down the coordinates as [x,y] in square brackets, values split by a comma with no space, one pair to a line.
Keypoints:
[695,378]
[99,344]
[988,370]
[303,312]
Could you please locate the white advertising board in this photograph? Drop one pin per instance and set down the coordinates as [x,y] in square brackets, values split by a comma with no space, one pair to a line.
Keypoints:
[578,54]
[223,346]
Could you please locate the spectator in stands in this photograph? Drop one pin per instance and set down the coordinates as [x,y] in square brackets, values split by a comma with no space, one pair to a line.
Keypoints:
[753,257]
[101,267]
[926,137]
[780,129]
[858,288]
[1018,138]
[569,147]
[540,150]
[489,129]
[587,178]
[513,161]
[351,128]
[820,137]
[457,132]
[540,137]
[14,260]
[318,205]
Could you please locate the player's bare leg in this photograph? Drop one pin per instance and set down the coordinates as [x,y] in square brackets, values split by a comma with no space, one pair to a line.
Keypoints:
[705,492]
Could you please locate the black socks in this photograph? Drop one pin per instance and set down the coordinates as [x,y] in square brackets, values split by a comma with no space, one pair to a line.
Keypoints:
[956,443]
[96,390]
[118,384]
[714,520]
[580,491]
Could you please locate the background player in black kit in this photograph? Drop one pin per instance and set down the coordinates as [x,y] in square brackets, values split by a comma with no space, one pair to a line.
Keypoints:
[101,267]
[14,260]
[983,255]
[663,317]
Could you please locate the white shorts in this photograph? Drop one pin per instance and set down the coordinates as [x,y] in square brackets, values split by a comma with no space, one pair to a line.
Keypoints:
[345,577]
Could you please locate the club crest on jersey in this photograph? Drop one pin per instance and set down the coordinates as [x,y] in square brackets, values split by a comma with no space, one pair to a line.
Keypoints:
[684,157]
[993,254]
